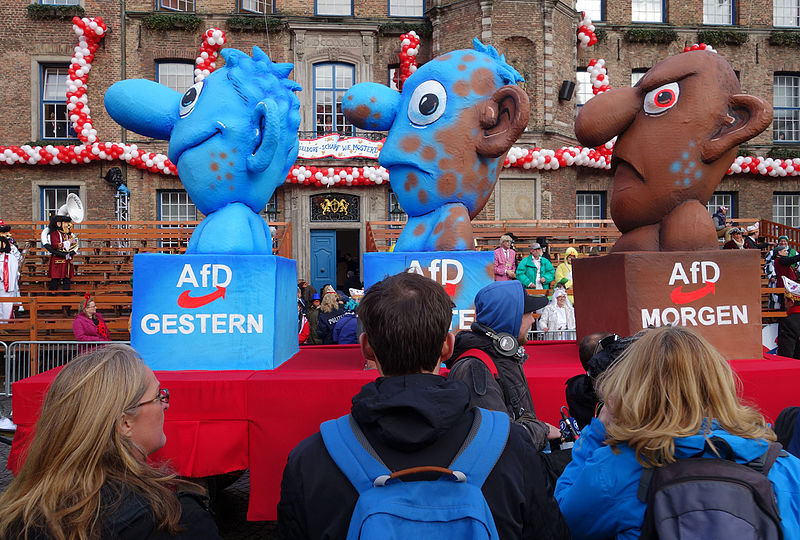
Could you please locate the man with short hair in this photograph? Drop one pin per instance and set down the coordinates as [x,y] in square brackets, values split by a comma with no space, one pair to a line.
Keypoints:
[534,271]
[501,308]
[721,221]
[412,417]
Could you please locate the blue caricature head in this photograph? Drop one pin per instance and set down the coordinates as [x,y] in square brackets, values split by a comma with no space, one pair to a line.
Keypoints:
[232,136]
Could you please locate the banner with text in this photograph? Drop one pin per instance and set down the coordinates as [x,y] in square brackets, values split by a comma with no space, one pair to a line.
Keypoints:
[214,312]
[337,147]
[461,273]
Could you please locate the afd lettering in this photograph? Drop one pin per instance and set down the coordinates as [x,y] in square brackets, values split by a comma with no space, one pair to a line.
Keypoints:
[698,283]
[220,275]
[700,272]
[439,270]
[203,323]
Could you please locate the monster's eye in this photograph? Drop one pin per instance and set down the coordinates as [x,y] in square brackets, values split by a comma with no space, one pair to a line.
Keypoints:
[190,98]
[662,98]
[427,103]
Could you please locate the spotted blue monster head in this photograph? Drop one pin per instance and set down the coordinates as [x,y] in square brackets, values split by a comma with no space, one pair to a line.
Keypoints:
[449,131]
[233,138]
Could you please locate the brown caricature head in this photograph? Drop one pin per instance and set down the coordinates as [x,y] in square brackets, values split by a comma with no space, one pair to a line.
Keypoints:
[677,133]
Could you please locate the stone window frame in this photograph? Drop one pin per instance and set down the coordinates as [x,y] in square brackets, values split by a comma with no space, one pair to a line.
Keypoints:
[786,200]
[710,5]
[38,64]
[785,6]
[37,186]
[792,133]
[164,62]
[599,200]
[346,129]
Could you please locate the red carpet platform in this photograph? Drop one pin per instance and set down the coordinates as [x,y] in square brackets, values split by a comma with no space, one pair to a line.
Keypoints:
[224,421]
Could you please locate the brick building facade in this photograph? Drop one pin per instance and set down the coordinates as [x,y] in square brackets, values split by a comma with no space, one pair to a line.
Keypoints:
[359,41]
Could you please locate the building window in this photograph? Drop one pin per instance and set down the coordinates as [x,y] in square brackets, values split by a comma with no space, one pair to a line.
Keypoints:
[394,77]
[175,205]
[257,6]
[590,205]
[176,5]
[60,2]
[334,7]
[637,74]
[55,122]
[718,12]
[647,11]
[786,108]
[177,75]
[595,9]
[54,197]
[331,81]
[786,208]
[406,8]
[786,12]
[720,198]
[583,88]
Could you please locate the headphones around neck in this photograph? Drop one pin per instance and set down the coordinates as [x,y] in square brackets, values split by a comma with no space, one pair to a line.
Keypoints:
[504,343]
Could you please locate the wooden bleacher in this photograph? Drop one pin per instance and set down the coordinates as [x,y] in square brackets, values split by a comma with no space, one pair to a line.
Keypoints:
[103,267]
[588,237]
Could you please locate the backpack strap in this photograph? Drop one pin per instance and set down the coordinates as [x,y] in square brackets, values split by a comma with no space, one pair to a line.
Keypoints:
[766,460]
[484,357]
[352,453]
[483,445]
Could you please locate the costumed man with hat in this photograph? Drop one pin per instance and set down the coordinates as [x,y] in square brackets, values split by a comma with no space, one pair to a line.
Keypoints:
[789,326]
[62,247]
[534,271]
[10,261]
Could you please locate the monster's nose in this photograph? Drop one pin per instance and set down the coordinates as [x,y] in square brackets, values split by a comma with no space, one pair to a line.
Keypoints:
[607,115]
[371,106]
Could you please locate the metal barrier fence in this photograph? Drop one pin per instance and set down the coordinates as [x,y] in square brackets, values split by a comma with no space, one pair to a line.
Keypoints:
[27,358]
[559,335]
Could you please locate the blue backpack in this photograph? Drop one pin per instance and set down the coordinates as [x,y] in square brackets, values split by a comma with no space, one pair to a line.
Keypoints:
[453,506]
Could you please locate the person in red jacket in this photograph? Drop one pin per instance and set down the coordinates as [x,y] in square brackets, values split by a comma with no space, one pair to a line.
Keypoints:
[88,324]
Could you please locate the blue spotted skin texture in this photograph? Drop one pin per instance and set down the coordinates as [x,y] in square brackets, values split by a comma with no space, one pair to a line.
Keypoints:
[233,138]
[440,177]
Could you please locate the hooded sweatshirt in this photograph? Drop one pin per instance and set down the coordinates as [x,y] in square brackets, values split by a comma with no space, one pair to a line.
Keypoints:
[598,490]
[415,420]
[499,306]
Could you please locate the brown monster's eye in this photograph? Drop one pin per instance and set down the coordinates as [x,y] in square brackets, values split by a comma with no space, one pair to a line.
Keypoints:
[661,99]
[427,103]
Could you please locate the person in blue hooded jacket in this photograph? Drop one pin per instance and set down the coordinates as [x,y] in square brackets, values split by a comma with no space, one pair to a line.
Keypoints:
[501,307]
[665,397]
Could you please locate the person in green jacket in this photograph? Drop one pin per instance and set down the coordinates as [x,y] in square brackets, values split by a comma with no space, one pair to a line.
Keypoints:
[534,271]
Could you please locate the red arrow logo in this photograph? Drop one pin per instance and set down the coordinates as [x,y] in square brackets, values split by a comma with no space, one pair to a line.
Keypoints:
[191,302]
[450,289]
[679,297]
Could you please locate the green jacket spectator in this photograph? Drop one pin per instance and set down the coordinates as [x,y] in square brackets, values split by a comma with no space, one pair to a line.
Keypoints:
[534,271]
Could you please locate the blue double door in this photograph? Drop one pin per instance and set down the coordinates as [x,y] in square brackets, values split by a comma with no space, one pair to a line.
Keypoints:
[329,251]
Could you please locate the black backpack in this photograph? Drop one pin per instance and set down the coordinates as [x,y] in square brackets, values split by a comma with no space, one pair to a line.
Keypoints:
[703,498]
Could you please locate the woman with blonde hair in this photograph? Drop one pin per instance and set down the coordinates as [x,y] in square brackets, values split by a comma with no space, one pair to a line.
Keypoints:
[665,398]
[86,475]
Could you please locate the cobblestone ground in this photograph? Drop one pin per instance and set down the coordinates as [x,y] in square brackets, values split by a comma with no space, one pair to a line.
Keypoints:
[230,506]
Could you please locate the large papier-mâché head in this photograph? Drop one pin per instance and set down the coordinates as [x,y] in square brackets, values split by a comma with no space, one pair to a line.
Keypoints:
[677,133]
[232,136]
[449,129]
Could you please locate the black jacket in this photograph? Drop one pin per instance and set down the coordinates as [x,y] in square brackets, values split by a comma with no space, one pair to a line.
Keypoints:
[126,515]
[512,394]
[327,321]
[415,420]
[789,336]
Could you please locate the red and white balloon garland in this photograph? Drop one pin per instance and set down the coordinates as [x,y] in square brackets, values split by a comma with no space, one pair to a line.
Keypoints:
[91,31]
[409,48]
[586,35]
[206,61]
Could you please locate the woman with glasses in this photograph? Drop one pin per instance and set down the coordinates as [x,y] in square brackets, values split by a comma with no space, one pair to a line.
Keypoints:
[86,474]
[89,324]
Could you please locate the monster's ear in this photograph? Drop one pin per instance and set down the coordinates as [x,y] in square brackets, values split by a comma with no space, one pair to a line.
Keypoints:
[503,118]
[143,106]
[267,120]
[371,106]
[747,117]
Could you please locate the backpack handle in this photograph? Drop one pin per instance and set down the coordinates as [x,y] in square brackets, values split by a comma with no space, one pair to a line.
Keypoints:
[384,478]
